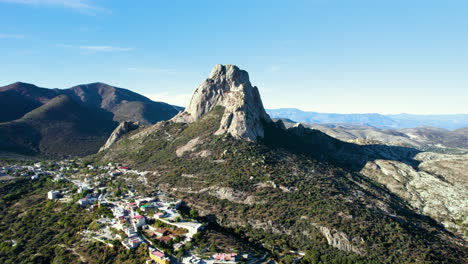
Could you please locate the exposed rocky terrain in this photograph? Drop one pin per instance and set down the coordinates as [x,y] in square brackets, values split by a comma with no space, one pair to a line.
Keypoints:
[436,187]
[228,86]
[123,128]
[424,138]
[435,184]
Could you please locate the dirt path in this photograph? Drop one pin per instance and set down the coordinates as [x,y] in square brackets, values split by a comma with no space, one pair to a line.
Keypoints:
[82,259]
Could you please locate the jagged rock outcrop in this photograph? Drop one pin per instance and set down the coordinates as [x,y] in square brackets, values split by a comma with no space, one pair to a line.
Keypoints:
[228,86]
[341,240]
[298,129]
[119,132]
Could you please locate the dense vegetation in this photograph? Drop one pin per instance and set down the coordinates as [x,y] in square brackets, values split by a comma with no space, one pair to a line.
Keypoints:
[284,198]
[36,230]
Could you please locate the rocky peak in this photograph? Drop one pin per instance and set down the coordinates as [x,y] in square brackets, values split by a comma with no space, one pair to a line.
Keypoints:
[298,129]
[229,86]
[122,129]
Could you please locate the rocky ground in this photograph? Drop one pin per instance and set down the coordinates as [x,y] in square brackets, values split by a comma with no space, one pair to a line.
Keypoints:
[436,187]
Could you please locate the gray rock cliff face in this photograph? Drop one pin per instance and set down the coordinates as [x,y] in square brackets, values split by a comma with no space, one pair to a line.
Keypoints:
[228,86]
[119,132]
[437,187]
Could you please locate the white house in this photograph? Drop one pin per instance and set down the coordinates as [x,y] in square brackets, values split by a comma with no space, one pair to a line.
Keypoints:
[51,195]
[139,220]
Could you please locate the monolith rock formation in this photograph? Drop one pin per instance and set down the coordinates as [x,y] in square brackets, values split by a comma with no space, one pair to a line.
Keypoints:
[229,87]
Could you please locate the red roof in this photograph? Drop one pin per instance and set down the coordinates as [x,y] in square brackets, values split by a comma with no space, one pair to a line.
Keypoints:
[223,256]
[160,230]
[124,168]
[158,253]
[138,217]
[164,239]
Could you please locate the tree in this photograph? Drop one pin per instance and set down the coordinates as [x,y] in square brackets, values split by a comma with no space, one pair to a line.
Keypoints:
[194,213]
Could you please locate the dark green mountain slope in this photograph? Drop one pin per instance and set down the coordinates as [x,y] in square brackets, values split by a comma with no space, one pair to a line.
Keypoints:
[41,121]
[17,99]
[60,127]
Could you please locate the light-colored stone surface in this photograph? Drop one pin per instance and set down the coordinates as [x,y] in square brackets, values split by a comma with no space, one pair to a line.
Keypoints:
[122,129]
[190,146]
[228,86]
[341,240]
[229,194]
[437,188]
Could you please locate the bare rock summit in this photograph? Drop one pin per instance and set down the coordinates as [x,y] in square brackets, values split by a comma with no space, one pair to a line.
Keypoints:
[230,87]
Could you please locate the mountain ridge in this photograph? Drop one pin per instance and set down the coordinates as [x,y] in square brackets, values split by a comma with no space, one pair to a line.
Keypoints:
[89,112]
[382,121]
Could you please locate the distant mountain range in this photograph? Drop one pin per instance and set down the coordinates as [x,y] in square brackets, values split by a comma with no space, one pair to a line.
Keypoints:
[376,120]
[74,121]
[423,138]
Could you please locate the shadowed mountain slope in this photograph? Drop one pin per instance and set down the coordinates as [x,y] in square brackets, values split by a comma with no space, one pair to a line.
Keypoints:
[86,114]
[61,127]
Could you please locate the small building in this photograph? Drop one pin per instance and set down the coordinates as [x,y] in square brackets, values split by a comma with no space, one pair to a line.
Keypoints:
[132,242]
[159,215]
[132,206]
[161,232]
[130,231]
[83,202]
[51,195]
[159,256]
[35,177]
[83,189]
[225,256]
[139,220]
[148,208]
[165,239]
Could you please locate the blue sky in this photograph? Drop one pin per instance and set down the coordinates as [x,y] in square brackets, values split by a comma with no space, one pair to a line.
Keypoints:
[384,56]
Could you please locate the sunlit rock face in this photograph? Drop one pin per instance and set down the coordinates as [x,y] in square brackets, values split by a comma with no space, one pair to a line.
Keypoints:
[228,86]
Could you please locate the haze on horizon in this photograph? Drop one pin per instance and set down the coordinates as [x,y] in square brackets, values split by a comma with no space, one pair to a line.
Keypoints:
[331,56]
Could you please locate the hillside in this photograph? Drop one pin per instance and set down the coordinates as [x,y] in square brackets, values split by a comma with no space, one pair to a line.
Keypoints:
[419,137]
[124,104]
[75,121]
[286,189]
[17,99]
[61,127]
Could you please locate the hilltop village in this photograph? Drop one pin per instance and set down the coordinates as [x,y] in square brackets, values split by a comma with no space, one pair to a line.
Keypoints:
[126,217]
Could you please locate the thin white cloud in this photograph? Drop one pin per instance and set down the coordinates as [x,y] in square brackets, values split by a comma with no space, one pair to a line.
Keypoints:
[170,98]
[81,5]
[11,36]
[150,70]
[104,48]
